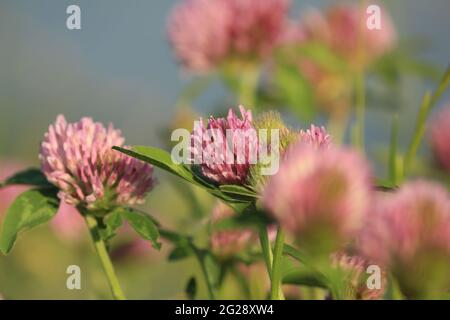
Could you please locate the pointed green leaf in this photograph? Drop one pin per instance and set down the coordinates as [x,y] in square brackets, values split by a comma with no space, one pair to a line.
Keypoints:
[295,91]
[385,185]
[294,253]
[240,191]
[180,253]
[30,209]
[191,288]
[110,224]
[158,158]
[304,277]
[243,220]
[162,159]
[31,176]
[144,225]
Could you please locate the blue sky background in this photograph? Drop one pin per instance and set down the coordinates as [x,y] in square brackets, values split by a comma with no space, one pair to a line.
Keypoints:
[119,66]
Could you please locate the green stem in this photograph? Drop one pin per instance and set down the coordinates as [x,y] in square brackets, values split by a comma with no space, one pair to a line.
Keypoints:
[335,293]
[312,293]
[337,124]
[201,261]
[360,87]
[428,102]
[104,258]
[360,101]
[265,246]
[393,163]
[248,86]
[180,240]
[419,131]
[276,293]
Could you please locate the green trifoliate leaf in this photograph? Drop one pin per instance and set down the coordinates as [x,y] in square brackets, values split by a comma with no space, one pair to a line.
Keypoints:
[110,224]
[31,176]
[144,225]
[163,160]
[180,253]
[160,159]
[30,209]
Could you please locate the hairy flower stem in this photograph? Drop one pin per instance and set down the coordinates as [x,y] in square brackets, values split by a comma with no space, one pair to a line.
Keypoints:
[276,293]
[104,258]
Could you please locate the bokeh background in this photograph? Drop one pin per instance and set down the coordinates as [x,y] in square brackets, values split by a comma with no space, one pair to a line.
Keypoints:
[119,68]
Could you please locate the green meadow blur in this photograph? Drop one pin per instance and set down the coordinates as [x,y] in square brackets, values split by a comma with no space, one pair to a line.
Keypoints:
[119,68]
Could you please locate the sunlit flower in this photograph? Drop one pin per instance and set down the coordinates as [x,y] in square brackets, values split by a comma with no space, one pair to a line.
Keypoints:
[319,192]
[272,123]
[409,232]
[222,159]
[205,33]
[78,159]
[343,28]
[330,86]
[316,137]
[412,219]
[354,277]
[440,138]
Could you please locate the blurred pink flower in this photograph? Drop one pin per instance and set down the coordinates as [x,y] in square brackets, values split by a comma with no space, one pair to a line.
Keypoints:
[331,88]
[204,33]
[409,233]
[440,138]
[343,28]
[68,224]
[329,189]
[214,162]
[355,279]
[316,137]
[403,224]
[7,194]
[292,33]
[227,243]
[78,159]
[198,33]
